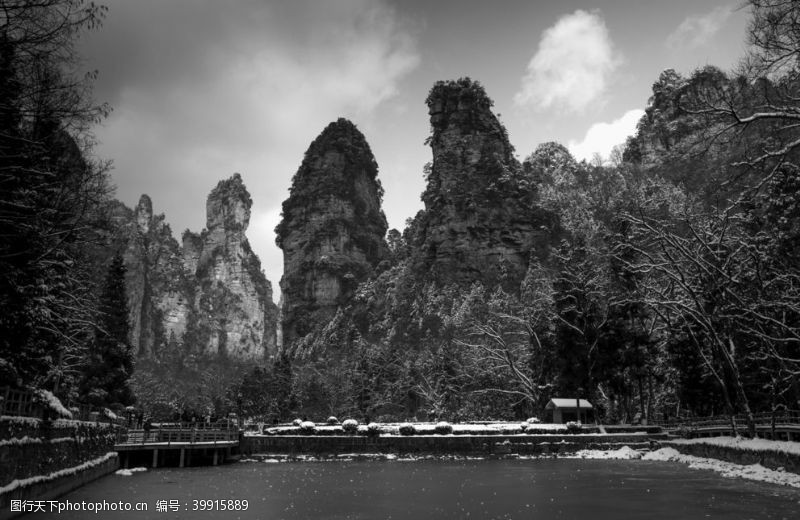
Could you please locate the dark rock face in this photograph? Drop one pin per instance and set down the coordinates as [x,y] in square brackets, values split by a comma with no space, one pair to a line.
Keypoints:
[156,281]
[332,231]
[481,221]
[210,293]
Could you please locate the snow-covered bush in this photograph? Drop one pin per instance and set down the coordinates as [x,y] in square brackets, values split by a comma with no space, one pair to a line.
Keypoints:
[373,429]
[574,427]
[523,427]
[533,420]
[444,428]
[307,427]
[350,425]
[108,413]
[52,403]
[407,429]
[333,421]
[297,422]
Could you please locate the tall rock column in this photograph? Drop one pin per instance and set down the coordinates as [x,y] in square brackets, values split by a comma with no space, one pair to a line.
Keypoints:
[155,281]
[480,221]
[332,230]
[233,312]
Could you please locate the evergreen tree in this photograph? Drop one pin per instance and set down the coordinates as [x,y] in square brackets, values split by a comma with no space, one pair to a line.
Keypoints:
[110,362]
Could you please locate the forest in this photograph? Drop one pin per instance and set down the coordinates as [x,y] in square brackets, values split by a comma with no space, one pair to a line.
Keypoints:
[668,287]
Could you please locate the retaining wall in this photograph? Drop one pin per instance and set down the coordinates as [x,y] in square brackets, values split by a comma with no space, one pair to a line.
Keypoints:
[436,444]
[50,458]
[55,486]
[767,458]
[30,447]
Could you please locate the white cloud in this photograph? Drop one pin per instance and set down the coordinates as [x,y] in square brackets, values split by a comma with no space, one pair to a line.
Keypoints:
[697,30]
[602,137]
[572,65]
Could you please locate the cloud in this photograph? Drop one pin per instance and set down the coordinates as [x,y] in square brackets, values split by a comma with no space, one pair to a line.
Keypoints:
[572,65]
[697,30]
[602,137]
[201,90]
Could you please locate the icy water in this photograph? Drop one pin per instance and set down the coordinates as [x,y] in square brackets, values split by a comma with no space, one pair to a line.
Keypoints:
[532,489]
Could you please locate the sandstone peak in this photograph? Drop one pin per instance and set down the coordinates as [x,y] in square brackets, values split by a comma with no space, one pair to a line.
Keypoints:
[144,213]
[462,106]
[478,223]
[332,228]
[228,205]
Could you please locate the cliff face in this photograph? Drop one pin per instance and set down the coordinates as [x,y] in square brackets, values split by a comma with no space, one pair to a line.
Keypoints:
[332,228]
[481,220]
[155,281]
[208,294]
[233,312]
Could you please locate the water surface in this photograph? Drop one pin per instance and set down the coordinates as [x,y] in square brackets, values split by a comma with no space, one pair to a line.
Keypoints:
[537,489]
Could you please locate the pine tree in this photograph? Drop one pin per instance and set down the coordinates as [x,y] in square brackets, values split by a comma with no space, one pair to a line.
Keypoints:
[110,362]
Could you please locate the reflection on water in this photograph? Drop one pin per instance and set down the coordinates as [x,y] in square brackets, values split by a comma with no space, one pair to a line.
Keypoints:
[540,489]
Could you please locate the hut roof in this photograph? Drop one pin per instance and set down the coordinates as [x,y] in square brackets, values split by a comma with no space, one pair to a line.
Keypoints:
[566,402]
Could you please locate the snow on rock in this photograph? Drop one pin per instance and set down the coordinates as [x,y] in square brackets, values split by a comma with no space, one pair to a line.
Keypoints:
[727,469]
[14,484]
[128,472]
[746,444]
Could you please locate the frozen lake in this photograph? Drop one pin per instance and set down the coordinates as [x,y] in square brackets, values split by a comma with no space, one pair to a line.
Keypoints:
[542,488]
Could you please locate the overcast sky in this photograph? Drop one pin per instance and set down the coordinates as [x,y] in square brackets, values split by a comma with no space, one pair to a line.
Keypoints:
[201,89]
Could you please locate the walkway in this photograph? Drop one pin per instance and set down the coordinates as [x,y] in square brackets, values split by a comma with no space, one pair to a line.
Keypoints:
[189,439]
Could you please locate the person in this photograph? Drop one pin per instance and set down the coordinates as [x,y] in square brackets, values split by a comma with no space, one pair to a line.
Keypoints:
[148,425]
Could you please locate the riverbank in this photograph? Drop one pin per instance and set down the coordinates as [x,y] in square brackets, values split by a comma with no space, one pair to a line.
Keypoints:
[777,455]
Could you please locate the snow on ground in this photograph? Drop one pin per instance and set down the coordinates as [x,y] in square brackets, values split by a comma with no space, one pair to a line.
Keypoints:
[128,472]
[746,444]
[624,453]
[727,469]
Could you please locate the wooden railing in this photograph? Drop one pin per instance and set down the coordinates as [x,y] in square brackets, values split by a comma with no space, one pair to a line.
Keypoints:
[762,420]
[179,434]
[19,402]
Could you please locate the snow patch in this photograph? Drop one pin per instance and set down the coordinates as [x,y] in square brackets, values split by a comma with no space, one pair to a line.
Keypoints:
[128,472]
[624,453]
[54,403]
[727,469]
[746,444]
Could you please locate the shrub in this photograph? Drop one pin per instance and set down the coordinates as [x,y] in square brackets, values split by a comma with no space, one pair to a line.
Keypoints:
[407,429]
[533,420]
[443,428]
[574,427]
[297,422]
[523,427]
[373,429]
[333,421]
[350,425]
[307,427]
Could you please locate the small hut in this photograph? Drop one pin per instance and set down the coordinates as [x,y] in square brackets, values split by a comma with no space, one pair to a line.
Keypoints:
[567,409]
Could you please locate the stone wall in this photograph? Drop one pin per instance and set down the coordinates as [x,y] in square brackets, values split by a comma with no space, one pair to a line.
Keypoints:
[41,460]
[437,444]
[30,447]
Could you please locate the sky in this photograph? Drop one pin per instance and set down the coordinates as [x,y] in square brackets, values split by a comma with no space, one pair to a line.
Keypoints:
[201,89]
